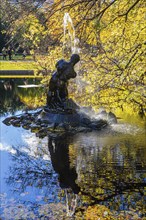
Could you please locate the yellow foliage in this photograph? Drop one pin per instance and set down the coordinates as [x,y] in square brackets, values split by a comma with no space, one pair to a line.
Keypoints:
[30,29]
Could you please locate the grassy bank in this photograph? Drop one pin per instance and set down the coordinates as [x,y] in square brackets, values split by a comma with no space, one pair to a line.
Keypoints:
[17,65]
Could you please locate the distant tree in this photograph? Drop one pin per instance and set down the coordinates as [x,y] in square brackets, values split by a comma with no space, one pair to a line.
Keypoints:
[14,12]
[2,37]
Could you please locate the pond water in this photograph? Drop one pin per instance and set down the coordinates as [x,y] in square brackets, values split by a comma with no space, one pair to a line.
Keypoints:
[59,176]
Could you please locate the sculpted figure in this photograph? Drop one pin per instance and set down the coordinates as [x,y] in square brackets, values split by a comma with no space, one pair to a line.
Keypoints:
[58,92]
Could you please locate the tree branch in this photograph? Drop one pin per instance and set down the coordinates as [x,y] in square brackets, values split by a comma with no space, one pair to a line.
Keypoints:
[132,6]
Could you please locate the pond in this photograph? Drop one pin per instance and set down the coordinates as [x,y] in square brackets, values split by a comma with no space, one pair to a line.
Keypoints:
[65,176]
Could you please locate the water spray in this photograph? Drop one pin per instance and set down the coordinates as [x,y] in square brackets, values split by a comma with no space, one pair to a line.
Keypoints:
[69,29]
[73,43]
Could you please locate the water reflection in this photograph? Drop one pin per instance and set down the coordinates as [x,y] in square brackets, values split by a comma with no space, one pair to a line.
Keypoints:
[112,170]
[101,169]
[59,151]
[29,171]
[14,98]
[60,175]
[9,101]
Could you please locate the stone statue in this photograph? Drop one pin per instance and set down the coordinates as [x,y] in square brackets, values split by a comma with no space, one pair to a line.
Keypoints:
[58,92]
[61,112]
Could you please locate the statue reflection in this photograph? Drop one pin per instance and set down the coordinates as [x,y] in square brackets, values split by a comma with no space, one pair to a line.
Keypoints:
[59,152]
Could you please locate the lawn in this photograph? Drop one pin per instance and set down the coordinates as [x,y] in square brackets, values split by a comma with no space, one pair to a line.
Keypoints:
[17,65]
[17,57]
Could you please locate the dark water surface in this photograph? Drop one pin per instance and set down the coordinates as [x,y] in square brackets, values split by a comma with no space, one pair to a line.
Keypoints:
[59,175]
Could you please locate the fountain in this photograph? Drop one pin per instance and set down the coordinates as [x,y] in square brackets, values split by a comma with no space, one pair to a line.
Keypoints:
[61,113]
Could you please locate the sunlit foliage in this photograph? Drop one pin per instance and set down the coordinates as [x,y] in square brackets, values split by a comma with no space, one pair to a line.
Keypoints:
[30,31]
[46,64]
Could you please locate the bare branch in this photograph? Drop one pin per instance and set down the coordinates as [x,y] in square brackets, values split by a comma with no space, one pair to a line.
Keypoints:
[100,14]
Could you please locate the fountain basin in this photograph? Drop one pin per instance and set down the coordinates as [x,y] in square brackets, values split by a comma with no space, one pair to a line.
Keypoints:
[71,119]
[45,121]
